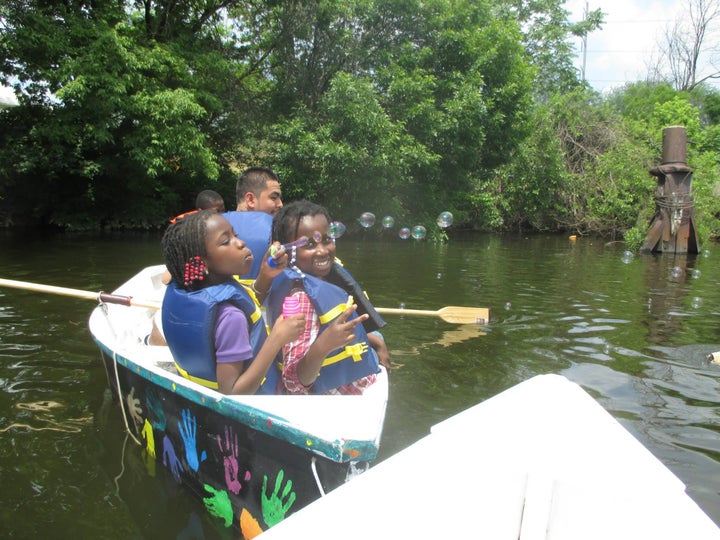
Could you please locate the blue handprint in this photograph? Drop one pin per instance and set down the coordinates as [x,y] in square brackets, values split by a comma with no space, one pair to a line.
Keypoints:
[155,409]
[188,429]
[170,459]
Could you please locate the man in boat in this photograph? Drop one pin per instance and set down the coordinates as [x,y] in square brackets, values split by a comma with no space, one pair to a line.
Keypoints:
[259,198]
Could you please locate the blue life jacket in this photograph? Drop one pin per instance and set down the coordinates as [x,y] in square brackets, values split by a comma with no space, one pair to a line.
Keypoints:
[342,366]
[255,229]
[188,319]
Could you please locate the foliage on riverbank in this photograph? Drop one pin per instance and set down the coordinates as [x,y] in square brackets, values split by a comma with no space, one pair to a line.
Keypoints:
[400,107]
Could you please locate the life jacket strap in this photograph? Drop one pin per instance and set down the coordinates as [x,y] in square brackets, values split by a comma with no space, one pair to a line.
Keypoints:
[203,382]
[331,314]
[354,351]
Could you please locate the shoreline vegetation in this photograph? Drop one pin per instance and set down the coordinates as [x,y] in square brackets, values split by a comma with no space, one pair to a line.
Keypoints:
[402,108]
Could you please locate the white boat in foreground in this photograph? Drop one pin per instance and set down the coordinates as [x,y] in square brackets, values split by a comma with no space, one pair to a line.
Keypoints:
[542,460]
[253,460]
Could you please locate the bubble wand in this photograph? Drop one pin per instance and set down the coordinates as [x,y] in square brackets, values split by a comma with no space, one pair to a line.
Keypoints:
[274,249]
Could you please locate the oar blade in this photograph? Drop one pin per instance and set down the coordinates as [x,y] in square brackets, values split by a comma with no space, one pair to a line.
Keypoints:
[464,315]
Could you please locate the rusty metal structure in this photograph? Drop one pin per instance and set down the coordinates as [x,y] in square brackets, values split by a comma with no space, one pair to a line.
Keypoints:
[672,229]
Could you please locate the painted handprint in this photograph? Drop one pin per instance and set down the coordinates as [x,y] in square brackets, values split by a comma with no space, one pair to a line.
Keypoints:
[218,504]
[170,459]
[230,460]
[273,508]
[188,430]
[134,408]
[147,433]
[155,409]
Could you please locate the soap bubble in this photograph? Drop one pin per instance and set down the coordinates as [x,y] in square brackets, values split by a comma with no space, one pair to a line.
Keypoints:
[404,233]
[677,272]
[402,305]
[439,275]
[388,222]
[695,273]
[444,220]
[419,232]
[367,219]
[627,257]
[336,229]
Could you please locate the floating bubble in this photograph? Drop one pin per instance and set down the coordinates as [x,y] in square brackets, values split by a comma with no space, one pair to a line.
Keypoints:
[439,276]
[404,233]
[445,219]
[677,272]
[627,257]
[402,305]
[367,219]
[695,273]
[336,229]
[419,232]
[388,222]
[508,305]
[696,302]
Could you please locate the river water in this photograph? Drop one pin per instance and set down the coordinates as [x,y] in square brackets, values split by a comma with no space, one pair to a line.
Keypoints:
[632,331]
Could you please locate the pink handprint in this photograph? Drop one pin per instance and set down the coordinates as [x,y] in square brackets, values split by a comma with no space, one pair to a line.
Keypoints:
[230,460]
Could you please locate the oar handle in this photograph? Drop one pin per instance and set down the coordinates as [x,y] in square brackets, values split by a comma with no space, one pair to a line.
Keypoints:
[403,311]
[77,293]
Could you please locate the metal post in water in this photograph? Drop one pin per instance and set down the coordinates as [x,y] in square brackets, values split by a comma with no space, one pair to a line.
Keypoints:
[672,229]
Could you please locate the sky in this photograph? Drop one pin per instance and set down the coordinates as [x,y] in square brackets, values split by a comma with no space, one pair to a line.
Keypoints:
[628,41]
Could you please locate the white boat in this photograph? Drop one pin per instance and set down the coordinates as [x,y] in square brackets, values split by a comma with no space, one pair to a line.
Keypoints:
[252,459]
[542,460]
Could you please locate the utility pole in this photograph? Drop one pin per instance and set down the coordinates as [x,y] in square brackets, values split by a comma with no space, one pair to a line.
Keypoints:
[584,45]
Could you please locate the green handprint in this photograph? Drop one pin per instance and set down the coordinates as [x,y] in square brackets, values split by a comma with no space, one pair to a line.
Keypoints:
[273,509]
[218,504]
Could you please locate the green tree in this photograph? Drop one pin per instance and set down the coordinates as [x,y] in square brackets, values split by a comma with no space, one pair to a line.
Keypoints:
[424,112]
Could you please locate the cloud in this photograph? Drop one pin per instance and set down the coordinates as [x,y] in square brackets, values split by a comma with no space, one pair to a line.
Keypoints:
[628,43]
[7,97]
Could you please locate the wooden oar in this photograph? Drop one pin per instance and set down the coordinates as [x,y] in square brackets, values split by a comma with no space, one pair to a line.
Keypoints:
[451,314]
[77,293]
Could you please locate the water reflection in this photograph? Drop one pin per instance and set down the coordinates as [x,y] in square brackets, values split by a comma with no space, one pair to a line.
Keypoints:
[634,334]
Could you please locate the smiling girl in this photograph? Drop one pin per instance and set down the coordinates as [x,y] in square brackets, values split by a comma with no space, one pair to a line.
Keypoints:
[212,323]
[334,354]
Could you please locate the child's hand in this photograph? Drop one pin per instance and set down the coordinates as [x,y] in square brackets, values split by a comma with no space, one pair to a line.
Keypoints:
[381,349]
[289,329]
[268,272]
[275,260]
[341,331]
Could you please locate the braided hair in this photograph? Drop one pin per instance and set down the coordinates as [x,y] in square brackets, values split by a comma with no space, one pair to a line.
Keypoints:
[184,240]
[287,221]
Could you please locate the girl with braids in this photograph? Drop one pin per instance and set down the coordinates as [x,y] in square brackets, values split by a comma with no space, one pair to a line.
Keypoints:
[335,354]
[212,323]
